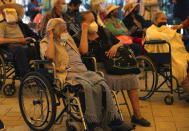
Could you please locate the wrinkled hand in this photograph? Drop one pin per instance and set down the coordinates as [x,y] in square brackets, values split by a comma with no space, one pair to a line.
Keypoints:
[112,52]
[85,26]
[50,33]
[22,40]
[176,27]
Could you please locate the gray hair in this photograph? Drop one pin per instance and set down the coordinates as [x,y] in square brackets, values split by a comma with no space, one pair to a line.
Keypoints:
[155,17]
[55,23]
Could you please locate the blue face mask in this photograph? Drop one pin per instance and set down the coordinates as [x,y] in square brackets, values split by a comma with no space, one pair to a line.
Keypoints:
[64,8]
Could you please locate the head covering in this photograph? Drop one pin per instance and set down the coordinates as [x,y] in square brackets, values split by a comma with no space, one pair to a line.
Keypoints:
[110,8]
[19,9]
[129,7]
[52,23]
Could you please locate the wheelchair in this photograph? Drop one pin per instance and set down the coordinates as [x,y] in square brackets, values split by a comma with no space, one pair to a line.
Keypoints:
[7,69]
[41,92]
[152,66]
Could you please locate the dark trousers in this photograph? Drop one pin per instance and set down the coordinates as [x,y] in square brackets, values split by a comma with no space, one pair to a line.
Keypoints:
[137,49]
[21,56]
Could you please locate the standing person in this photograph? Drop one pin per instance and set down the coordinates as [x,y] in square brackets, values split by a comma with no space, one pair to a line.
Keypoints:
[184,24]
[33,9]
[148,8]
[181,9]
[73,9]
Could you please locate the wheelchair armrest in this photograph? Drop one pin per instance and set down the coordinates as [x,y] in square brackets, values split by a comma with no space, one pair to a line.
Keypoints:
[90,63]
[155,42]
[158,42]
[37,64]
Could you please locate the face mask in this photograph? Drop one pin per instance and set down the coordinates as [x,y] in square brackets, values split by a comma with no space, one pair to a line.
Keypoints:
[64,8]
[93,27]
[64,37]
[1,17]
[10,15]
[161,24]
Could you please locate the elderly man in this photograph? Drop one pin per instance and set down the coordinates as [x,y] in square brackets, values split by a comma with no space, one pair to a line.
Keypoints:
[14,35]
[159,31]
[59,46]
[59,11]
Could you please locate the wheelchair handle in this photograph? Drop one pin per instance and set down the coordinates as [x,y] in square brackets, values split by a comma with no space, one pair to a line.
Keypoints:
[155,42]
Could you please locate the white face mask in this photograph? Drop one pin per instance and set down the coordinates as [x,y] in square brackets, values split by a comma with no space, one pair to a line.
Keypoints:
[1,17]
[93,27]
[64,37]
[64,8]
[10,15]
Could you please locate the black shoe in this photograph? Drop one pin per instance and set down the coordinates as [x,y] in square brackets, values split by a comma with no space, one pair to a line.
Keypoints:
[122,127]
[1,125]
[142,121]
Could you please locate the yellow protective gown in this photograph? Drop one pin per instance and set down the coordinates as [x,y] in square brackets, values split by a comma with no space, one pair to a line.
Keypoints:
[179,54]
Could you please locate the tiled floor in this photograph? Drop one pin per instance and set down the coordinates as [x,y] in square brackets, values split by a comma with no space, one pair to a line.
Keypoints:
[162,117]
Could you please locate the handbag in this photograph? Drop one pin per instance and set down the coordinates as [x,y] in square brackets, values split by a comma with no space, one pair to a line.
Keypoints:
[123,63]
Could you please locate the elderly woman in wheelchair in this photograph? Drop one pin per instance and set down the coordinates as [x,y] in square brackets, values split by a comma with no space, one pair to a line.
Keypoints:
[59,47]
[179,55]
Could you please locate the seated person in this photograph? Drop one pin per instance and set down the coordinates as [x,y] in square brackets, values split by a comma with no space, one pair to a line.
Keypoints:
[133,21]
[95,43]
[14,35]
[59,46]
[180,57]
[118,29]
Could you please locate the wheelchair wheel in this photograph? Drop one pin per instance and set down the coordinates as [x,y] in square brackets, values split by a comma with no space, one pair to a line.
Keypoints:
[148,77]
[9,90]
[2,72]
[37,102]
[169,100]
[74,110]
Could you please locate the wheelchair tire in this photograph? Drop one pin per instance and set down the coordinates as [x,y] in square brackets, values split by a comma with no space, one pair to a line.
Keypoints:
[36,93]
[9,90]
[148,77]
[2,72]
[169,100]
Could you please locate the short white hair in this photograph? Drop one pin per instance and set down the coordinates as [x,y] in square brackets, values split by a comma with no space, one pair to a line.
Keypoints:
[54,3]
[55,23]
[156,16]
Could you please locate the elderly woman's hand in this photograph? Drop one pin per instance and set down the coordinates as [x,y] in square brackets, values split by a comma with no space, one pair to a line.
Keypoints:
[112,52]
[50,33]
[85,26]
